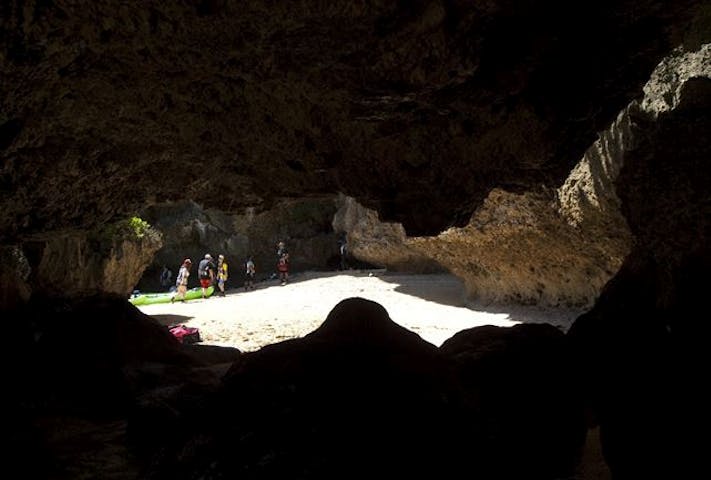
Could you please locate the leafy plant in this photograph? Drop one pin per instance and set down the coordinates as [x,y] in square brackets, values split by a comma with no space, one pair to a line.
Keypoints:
[132,228]
[138,226]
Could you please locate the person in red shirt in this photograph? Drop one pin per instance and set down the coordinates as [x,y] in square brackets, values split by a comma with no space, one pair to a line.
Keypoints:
[283,263]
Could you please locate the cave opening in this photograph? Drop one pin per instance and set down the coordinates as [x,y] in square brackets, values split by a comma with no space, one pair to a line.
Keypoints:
[526,156]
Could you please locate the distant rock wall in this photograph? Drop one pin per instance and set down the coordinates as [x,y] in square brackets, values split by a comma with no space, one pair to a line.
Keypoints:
[191,231]
[380,243]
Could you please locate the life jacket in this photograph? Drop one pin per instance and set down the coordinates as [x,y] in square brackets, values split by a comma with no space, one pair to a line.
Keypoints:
[204,269]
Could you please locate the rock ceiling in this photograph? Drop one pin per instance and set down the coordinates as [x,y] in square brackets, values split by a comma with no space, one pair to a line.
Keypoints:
[416,109]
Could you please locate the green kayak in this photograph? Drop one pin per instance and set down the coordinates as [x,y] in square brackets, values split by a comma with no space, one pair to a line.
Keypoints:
[151,298]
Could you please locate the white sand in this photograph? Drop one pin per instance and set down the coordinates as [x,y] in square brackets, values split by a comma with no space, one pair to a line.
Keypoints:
[432,306]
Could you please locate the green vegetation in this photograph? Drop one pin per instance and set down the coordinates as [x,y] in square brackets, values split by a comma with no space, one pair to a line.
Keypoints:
[139,226]
[129,229]
[133,228]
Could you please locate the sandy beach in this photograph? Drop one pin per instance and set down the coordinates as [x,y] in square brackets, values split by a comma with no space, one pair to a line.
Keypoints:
[433,306]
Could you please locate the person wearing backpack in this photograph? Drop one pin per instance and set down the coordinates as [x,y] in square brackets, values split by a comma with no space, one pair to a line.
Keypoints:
[206,273]
[283,263]
[181,282]
[249,273]
[221,274]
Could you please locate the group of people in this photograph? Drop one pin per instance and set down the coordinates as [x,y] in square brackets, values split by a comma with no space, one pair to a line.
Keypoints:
[210,273]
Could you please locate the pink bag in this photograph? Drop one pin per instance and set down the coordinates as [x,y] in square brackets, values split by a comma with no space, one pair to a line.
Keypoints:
[185,334]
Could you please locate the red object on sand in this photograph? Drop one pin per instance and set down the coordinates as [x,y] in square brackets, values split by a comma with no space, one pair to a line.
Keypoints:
[185,334]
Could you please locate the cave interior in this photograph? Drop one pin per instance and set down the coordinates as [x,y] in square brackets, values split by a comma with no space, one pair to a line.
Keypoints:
[418,111]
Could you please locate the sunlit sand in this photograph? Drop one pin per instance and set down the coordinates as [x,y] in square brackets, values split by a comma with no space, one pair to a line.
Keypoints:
[433,306]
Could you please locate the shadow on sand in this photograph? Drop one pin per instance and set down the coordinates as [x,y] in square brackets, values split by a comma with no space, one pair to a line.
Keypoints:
[446,289]
[561,317]
[169,319]
[441,288]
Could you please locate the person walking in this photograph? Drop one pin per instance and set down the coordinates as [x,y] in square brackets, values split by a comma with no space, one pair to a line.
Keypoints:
[283,263]
[221,274]
[249,273]
[206,273]
[181,282]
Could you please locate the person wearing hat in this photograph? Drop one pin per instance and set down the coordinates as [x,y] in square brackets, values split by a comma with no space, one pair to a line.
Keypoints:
[221,274]
[182,281]
[283,263]
[206,273]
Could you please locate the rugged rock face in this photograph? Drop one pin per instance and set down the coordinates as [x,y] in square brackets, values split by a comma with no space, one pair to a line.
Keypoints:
[639,346]
[73,265]
[76,264]
[517,249]
[15,289]
[561,247]
[383,244]
[542,247]
[547,247]
[191,231]
[416,110]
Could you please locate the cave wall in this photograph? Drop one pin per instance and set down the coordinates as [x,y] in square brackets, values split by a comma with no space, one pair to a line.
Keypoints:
[560,247]
[517,250]
[382,244]
[74,265]
[418,111]
[554,247]
[15,289]
[415,110]
[108,260]
[551,247]
[639,347]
